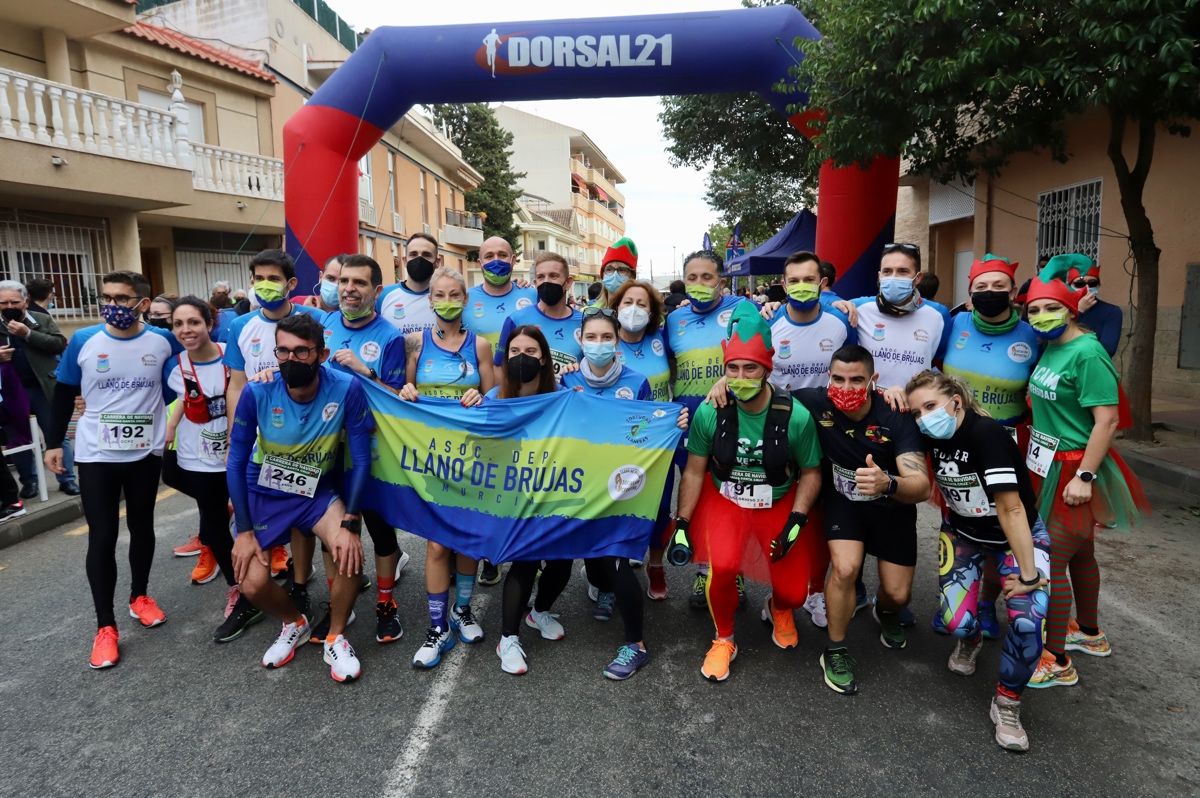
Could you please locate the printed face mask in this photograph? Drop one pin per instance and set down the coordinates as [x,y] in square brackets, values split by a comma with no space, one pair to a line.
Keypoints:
[118,316]
[848,400]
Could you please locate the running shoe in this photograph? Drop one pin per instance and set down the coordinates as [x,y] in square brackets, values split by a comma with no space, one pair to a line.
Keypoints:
[546,623]
[699,598]
[603,611]
[11,511]
[838,668]
[1006,714]
[717,660]
[364,583]
[1093,645]
[740,581]
[242,616]
[437,642]
[300,600]
[342,661]
[284,648]
[814,605]
[907,618]
[512,656]
[321,630]
[962,659]
[489,574]
[279,561]
[783,625]
[105,651]
[1050,674]
[630,658]
[206,567]
[988,622]
[387,623]
[890,632]
[189,549]
[861,601]
[402,563]
[463,622]
[147,611]
[656,577]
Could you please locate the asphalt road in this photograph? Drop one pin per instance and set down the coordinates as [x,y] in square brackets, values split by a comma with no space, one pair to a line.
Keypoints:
[182,716]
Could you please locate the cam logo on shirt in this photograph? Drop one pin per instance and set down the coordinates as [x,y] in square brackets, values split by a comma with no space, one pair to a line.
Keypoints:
[102,364]
[277,417]
[329,411]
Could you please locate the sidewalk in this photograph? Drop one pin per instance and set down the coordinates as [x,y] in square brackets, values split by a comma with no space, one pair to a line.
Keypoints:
[1174,459]
[41,517]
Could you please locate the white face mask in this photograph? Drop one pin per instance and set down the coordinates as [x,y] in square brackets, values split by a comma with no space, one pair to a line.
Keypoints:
[633,318]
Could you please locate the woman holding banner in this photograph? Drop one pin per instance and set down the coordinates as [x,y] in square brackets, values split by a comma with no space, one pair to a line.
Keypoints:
[443,362]
[526,369]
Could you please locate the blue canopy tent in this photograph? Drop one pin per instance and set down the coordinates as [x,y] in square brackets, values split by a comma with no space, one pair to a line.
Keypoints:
[800,233]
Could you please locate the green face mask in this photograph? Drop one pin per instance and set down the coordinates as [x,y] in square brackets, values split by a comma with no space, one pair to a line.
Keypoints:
[1047,322]
[745,388]
[803,292]
[448,310]
[268,291]
[496,279]
[701,293]
[360,313]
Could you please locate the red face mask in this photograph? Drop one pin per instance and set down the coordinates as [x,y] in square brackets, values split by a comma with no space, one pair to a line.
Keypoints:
[848,400]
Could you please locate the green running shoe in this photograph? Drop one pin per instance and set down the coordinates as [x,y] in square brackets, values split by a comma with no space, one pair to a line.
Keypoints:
[891,633]
[838,668]
[699,598]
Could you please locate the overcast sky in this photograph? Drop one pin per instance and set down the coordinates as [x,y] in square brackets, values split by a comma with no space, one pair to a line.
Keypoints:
[665,206]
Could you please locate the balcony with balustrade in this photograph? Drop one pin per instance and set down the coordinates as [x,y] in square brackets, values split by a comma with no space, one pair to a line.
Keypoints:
[463,228]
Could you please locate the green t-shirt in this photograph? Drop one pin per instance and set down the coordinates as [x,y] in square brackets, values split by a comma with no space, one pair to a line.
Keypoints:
[748,467]
[1069,380]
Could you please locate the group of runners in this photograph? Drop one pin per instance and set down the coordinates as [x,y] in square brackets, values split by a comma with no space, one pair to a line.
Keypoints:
[814,428]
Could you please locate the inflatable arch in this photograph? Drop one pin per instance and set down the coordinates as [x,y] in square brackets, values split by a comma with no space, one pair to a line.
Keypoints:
[693,53]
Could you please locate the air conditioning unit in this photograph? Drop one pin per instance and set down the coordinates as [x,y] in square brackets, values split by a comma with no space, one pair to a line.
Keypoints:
[397,223]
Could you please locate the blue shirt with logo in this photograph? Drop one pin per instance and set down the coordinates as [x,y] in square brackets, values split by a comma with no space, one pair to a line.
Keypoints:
[630,384]
[996,367]
[445,373]
[378,345]
[485,314]
[649,358]
[694,340]
[561,334]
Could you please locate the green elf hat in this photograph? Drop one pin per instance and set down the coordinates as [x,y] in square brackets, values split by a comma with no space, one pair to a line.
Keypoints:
[749,336]
[1051,282]
[622,251]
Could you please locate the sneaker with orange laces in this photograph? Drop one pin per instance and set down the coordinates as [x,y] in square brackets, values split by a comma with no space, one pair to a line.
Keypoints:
[189,549]
[105,653]
[1096,645]
[1050,674]
[783,625]
[716,661]
[279,561]
[147,611]
[206,567]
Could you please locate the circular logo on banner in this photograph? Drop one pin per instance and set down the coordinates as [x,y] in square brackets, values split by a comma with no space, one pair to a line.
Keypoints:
[1020,352]
[369,351]
[329,411]
[626,482]
[656,346]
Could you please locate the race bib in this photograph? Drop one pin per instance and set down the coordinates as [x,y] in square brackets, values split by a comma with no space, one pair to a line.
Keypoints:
[288,476]
[213,446]
[749,495]
[124,432]
[561,359]
[965,495]
[845,484]
[1040,454]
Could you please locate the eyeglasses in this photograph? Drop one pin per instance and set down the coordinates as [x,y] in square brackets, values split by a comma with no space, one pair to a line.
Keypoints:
[299,353]
[120,299]
[618,269]
[1086,283]
[596,310]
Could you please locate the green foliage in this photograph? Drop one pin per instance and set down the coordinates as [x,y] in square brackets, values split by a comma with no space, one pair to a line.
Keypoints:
[487,147]
[761,202]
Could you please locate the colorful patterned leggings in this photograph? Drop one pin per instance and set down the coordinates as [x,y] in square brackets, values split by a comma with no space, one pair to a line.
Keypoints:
[960,574]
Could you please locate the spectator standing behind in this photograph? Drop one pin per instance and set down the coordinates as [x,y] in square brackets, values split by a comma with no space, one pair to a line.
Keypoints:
[928,287]
[41,295]
[241,304]
[32,344]
[676,295]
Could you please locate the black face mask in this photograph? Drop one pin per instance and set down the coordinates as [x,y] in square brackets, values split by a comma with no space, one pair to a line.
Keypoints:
[163,323]
[991,303]
[12,314]
[550,293]
[297,374]
[419,269]
[523,368]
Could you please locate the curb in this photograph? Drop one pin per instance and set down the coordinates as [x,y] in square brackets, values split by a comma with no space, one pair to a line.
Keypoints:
[1170,474]
[39,521]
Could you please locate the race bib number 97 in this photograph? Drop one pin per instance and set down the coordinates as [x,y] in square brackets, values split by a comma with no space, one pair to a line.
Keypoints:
[126,432]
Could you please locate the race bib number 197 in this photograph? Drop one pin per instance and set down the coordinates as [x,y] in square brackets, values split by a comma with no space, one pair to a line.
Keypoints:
[282,474]
[126,432]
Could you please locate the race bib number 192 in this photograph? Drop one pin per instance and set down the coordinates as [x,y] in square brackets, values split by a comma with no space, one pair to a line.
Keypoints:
[126,432]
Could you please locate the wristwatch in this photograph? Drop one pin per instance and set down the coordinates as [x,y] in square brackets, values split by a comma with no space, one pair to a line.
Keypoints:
[1085,476]
[352,525]
[893,486]
[372,373]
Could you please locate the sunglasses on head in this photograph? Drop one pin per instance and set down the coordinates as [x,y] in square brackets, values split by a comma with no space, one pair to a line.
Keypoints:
[595,310]
[908,249]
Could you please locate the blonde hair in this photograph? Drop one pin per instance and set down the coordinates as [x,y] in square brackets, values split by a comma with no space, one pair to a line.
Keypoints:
[452,273]
[947,386]
[545,256]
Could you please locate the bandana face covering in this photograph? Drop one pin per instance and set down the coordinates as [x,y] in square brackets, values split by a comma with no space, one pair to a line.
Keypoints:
[848,400]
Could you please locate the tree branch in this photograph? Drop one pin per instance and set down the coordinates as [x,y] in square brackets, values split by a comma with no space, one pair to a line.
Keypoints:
[1147,132]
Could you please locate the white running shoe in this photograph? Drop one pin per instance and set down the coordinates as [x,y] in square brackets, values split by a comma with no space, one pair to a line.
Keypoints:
[512,656]
[814,605]
[463,622]
[342,661]
[546,623]
[592,591]
[284,648]
[401,564]
[436,643]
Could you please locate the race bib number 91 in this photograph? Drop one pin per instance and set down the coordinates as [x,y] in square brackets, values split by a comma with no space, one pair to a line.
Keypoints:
[749,495]
[126,432]
[288,476]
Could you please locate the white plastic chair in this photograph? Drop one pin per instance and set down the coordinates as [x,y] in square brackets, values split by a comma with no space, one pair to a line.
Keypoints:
[34,446]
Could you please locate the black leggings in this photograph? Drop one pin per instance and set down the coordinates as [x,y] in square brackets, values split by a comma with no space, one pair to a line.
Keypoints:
[519,584]
[101,486]
[614,575]
[211,493]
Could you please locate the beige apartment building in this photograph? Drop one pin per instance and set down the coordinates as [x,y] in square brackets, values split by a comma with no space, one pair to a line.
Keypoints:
[1038,208]
[565,171]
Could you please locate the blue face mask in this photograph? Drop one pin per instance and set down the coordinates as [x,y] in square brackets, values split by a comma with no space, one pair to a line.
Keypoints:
[896,289]
[599,353]
[329,293]
[939,424]
[614,281]
[497,271]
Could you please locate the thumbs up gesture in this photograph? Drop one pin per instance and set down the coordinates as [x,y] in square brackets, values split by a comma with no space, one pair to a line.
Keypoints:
[871,480]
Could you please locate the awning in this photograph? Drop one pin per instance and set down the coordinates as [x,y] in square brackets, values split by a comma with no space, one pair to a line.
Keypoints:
[580,183]
[600,195]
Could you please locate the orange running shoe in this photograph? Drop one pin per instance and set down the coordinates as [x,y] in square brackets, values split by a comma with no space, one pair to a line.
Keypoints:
[105,653]
[206,567]
[716,661]
[147,611]
[279,561]
[783,623]
[189,549]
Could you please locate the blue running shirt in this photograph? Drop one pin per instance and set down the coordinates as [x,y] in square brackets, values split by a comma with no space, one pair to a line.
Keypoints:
[377,345]
[649,358]
[446,374]
[407,311]
[997,367]
[561,334]
[250,340]
[694,339]
[485,314]
[629,385]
